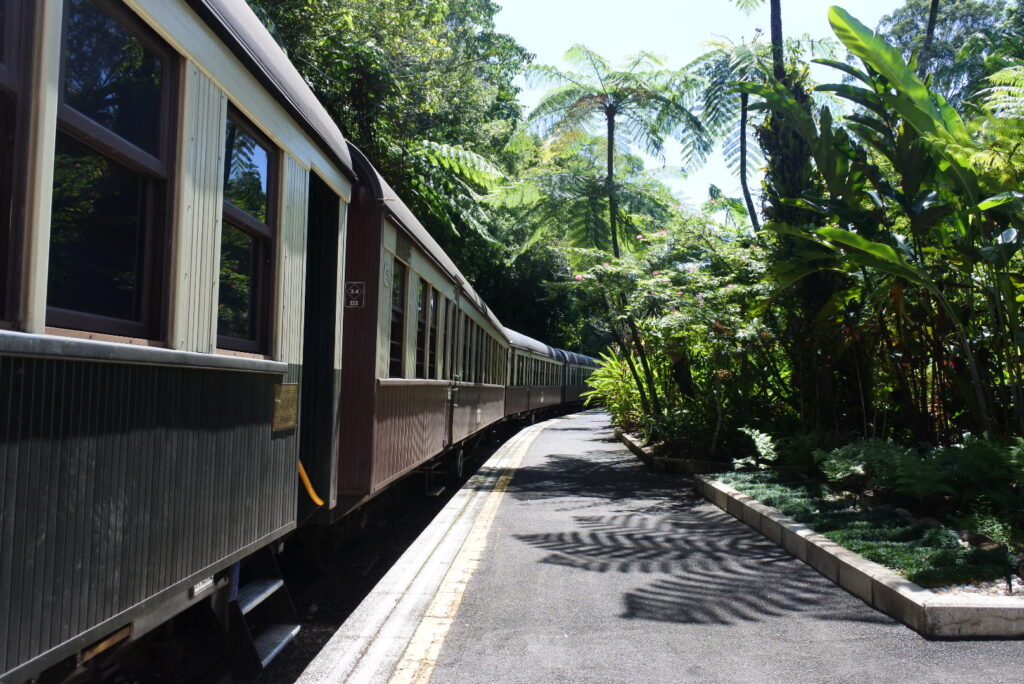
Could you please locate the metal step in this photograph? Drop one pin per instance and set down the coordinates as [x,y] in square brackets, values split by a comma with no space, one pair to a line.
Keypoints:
[256,591]
[272,640]
[437,491]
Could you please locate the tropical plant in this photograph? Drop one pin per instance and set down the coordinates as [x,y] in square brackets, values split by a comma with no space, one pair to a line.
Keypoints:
[639,103]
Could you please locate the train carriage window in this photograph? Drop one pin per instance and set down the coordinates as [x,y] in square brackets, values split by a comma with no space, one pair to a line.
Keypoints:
[464,364]
[247,238]
[111,171]
[480,349]
[10,82]
[421,329]
[488,356]
[449,339]
[432,336]
[397,344]
[481,355]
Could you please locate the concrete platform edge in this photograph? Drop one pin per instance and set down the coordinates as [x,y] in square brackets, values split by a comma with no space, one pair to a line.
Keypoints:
[371,641]
[931,615]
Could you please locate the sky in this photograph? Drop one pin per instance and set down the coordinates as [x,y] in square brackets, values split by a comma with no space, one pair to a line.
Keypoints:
[676,30]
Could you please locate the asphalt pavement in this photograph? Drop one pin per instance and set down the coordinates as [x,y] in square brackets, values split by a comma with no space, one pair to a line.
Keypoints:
[593,569]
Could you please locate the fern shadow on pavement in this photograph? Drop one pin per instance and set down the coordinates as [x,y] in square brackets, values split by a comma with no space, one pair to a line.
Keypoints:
[707,568]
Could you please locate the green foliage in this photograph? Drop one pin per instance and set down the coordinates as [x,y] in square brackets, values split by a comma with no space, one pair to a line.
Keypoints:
[958,55]
[927,556]
[612,388]
[764,448]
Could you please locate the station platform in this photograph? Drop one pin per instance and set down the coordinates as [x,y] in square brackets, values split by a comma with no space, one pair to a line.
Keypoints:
[565,560]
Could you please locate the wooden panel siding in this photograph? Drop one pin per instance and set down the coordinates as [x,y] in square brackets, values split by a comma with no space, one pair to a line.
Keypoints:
[120,481]
[196,264]
[291,262]
[42,132]
[478,406]
[516,400]
[545,395]
[409,427]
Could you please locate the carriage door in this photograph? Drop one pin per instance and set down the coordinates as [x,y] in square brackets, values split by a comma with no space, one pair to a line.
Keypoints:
[321,351]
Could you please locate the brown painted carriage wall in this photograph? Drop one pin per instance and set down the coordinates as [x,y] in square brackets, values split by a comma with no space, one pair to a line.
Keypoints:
[517,400]
[122,482]
[359,348]
[477,407]
[544,396]
[410,426]
[572,393]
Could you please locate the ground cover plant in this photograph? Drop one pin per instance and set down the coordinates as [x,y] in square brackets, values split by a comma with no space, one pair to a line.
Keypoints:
[927,555]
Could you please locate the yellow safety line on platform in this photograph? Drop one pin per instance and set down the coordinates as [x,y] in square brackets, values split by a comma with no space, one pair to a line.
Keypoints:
[420,657]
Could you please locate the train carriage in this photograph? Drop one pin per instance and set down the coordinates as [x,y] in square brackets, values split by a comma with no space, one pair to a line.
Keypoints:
[152,347]
[213,312]
[424,356]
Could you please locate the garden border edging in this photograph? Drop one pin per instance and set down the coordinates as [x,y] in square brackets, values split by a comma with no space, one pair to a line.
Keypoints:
[662,464]
[932,615]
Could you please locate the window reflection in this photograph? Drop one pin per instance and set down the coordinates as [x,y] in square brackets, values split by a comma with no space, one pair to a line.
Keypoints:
[96,243]
[245,173]
[3,30]
[397,349]
[236,313]
[111,77]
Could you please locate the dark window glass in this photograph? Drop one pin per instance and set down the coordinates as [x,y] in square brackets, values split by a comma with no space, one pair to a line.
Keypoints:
[421,330]
[448,321]
[467,374]
[237,309]
[397,321]
[247,241]
[432,336]
[6,196]
[97,243]
[3,30]
[111,77]
[479,354]
[246,172]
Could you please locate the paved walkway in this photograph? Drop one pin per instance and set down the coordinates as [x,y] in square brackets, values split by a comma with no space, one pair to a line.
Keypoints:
[589,568]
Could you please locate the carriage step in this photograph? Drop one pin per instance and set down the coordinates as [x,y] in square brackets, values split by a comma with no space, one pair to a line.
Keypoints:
[436,491]
[257,591]
[272,640]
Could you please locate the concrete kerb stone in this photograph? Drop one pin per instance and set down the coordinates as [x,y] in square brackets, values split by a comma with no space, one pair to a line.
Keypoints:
[901,599]
[933,615]
[952,617]
[821,555]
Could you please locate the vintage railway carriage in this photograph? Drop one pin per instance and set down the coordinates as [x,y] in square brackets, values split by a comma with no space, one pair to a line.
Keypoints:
[541,376]
[424,357]
[205,289]
[168,166]
[578,368]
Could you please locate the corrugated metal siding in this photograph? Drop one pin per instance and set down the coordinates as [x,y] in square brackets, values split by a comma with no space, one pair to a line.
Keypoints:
[478,407]
[200,182]
[291,261]
[410,427]
[119,481]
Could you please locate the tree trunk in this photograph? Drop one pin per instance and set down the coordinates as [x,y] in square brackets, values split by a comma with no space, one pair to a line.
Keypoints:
[743,164]
[613,204]
[778,57]
[641,353]
[645,404]
[923,59]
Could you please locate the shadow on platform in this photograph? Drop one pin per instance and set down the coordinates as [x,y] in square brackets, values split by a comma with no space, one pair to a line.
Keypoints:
[714,569]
